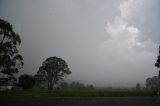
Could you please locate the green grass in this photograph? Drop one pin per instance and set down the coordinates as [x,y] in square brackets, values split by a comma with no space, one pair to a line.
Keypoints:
[79,93]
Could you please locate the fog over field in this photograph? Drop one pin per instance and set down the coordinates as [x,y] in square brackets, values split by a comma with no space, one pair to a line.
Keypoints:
[104,42]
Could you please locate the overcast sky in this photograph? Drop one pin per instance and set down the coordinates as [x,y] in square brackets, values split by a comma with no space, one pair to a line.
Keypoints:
[104,42]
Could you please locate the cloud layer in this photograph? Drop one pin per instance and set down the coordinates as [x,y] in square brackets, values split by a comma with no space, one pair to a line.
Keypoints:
[124,50]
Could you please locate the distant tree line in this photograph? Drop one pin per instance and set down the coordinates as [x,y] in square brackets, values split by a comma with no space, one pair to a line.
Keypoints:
[76,86]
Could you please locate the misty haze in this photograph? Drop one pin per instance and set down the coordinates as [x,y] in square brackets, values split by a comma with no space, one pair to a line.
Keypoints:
[55,49]
[105,43]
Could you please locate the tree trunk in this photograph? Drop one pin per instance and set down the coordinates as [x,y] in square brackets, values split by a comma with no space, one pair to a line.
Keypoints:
[50,85]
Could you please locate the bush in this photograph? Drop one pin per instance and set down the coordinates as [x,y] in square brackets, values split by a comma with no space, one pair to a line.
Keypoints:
[26,81]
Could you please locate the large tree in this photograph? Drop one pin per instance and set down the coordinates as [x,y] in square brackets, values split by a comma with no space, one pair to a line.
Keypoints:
[54,69]
[10,60]
[157,64]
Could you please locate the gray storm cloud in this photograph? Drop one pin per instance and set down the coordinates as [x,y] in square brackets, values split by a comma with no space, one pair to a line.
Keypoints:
[106,42]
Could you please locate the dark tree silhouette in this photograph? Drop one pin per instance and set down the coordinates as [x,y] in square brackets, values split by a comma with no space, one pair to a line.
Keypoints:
[157,64]
[153,84]
[54,69]
[138,86]
[26,81]
[10,60]
[77,85]
[64,85]
[39,79]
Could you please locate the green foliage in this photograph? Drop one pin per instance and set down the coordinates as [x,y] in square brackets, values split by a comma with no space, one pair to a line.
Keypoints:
[53,69]
[26,81]
[10,60]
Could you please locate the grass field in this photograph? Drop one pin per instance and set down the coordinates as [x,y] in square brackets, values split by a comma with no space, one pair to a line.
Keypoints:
[79,93]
